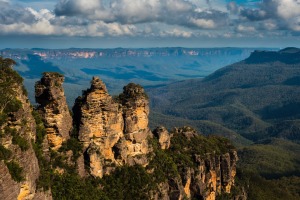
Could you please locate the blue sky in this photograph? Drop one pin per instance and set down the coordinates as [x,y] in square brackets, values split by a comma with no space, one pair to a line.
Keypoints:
[149,23]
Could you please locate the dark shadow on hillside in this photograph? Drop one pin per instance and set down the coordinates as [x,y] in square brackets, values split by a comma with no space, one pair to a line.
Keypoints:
[287,111]
[37,66]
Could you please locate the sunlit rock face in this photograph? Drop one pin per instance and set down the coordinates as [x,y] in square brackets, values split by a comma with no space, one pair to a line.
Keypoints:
[114,131]
[210,176]
[164,137]
[135,106]
[49,94]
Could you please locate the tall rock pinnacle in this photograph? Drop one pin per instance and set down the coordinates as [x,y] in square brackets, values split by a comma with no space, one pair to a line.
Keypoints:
[49,94]
[113,132]
[100,125]
[135,105]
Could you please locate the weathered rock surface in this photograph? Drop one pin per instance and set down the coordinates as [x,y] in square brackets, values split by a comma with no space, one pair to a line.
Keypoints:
[164,137]
[49,94]
[100,124]
[113,132]
[135,106]
[212,175]
[23,124]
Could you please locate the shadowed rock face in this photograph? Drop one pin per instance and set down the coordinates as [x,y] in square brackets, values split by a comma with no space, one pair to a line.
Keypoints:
[24,125]
[49,94]
[114,132]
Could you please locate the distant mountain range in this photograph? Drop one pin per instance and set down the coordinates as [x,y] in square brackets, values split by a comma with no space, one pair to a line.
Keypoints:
[117,67]
[247,97]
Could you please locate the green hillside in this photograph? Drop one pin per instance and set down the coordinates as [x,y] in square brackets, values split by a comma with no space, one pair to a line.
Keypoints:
[256,104]
[245,97]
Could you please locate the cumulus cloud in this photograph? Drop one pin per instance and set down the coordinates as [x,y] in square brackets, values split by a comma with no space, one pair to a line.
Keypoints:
[284,11]
[14,14]
[287,9]
[176,33]
[254,14]
[247,29]
[174,18]
[79,7]
[173,12]
[268,16]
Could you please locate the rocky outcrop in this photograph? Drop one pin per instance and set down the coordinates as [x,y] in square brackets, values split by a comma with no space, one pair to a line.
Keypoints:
[49,94]
[19,131]
[114,132]
[163,136]
[212,174]
[100,124]
[135,106]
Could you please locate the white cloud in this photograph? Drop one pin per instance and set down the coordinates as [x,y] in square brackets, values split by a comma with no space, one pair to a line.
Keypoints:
[157,18]
[203,23]
[174,12]
[177,33]
[246,29]
[288,9]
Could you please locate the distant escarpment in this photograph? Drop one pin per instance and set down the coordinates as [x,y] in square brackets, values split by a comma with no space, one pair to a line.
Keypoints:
[288,56]
[105,150]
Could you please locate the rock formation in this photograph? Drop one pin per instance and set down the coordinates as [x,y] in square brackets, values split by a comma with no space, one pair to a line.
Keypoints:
[100,124]
[163,136]
[135,104]
[113,132]
[212,175]
[49,94]
[19,131]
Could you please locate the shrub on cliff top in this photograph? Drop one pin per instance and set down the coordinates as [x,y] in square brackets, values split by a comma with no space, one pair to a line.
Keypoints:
[9,80]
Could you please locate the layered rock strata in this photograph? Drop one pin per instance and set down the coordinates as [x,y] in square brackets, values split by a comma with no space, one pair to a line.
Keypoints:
[49,94]
[114,132]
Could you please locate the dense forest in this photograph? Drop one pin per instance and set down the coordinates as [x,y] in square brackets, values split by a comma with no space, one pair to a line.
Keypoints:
[254,103]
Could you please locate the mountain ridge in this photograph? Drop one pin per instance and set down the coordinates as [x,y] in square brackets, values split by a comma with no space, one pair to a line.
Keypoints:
[257,103]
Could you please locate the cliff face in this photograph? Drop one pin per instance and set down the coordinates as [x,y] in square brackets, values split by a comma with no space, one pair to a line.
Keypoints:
[211,174]
[181,164]
[100,125]
[19,170]
[113,132]
[135,104]
[50,96]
